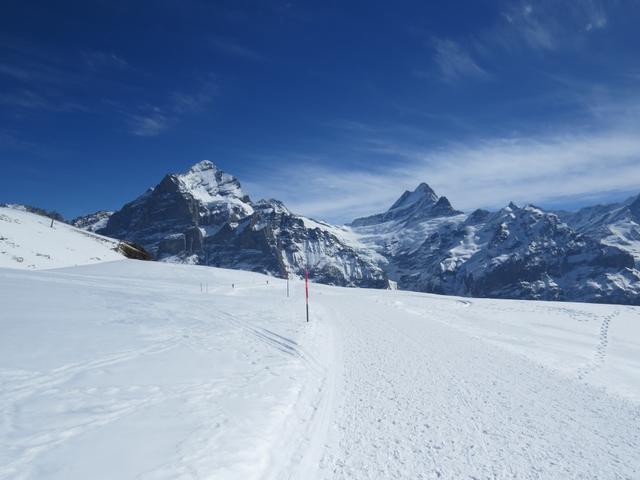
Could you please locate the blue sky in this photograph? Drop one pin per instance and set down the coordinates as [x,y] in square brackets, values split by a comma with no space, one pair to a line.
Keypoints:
[333,107]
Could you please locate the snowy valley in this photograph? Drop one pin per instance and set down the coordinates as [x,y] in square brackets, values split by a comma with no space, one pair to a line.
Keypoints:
[129,369]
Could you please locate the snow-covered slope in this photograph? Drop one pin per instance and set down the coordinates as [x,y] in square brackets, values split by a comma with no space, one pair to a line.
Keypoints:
[147,370]
[28,240]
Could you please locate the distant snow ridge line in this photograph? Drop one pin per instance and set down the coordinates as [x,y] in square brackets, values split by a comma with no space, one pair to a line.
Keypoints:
[421,242]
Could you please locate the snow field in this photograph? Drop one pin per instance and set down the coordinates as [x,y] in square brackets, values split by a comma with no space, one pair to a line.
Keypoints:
[127,370]
[28,241]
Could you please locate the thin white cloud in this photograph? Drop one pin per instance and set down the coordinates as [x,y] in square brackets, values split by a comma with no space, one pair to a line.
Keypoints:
[14,71]
[545,25]
[26,99]
[195,101]
[148,125]
[46,79]
[234,49]
[536,30]
[96,60]
[11,140]
[595,17]
[454,61]
[153,120]
[488,173]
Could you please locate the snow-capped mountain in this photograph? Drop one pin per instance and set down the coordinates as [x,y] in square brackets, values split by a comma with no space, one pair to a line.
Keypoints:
[411,208]
[204,217]
[513,253]
[421,242]
[412,218]
[519,253]
[616,224]
[204,197]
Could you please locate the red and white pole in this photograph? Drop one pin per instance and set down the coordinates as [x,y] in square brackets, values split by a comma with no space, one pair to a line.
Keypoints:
[306,290]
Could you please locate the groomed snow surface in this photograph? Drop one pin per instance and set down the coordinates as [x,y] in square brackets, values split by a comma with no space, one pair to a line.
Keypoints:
[141,370]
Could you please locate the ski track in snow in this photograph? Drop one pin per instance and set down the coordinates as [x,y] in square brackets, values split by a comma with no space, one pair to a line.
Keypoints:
[126,370]
[433,403]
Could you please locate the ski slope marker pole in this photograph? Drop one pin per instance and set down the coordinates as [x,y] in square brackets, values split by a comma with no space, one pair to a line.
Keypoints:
[306,291]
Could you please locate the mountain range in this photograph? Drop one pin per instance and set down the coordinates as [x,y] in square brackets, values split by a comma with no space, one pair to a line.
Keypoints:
[420,243]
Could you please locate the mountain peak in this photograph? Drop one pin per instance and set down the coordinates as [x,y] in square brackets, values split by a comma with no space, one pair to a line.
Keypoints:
[423,187]
[209,185]
[413,206]
[203,166]
[422,193]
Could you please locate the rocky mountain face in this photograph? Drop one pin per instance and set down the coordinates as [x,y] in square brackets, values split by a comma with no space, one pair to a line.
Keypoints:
[204,217]
[616,224]
[92,222]
[182,206]
[421,243]
[519,253]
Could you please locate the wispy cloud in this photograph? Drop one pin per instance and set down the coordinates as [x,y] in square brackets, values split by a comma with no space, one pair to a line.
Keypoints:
[454,62]
[520,28]
[594,14]
[40,79]
[153,120]
[150,124]
[14,71]
[12,141]
[231,47]
[548,170]
[26,99]
[100,82]
[526,25]
[184,102]
[543,26]
[97,60]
